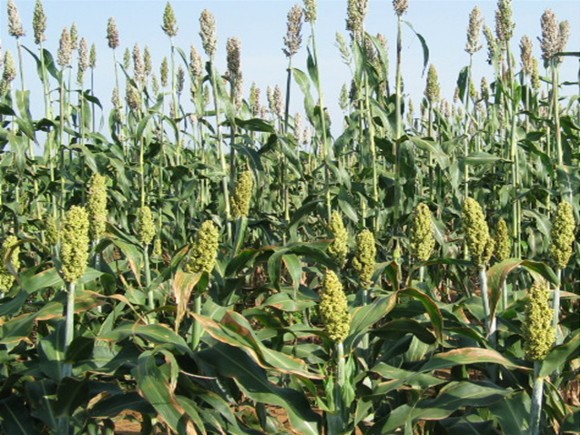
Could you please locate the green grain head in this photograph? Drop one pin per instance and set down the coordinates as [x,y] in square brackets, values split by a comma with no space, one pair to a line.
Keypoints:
[502,241]
[364,261]
[9,253]
[538,330]
[422,240]
[242,195]
[338,249]
[145,225]
[563,235]
[74,253]
[97,206]
[204,250]
[476,232]
[169,26]
[333,308]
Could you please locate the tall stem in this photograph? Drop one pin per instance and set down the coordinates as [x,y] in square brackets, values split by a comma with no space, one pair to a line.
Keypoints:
[340,364]
[221,157]
[489,324]
[197,333]
[69,325]
[556,115]
[557,307]
[536,401]
[324,146]
[398,121]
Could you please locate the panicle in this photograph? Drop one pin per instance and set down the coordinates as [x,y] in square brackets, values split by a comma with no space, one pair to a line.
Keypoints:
[97,206]
[563,235]
[196,65]
[400,7]
[242,195]
[9,262]
[526,55]
[432,91]
[473,34]
[339,248]
[204,250]
[74,253]
[422,239]
[310,11]
[502,241]
[112,34]
[476,232]
[15,27]
[293,39]
[169,26]
[356,12]
[65,49]
[538,330]
[145,225]
[365,253]
[334,309]
[39,23]
[208,32]
[504,24]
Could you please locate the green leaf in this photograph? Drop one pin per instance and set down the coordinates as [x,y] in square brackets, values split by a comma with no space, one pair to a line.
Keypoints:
[71,394]
[400,327]
[111,406]
[234,363]
[425,48]
[15,417]
[468,355]
[362,318]
[431,308]
[513,413]
[255,124]
[158,334]
[155,387]
[559,355]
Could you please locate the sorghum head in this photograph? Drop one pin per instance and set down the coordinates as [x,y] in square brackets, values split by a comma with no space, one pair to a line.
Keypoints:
[432,91]
[356,12]
[233,58]
[364,261]
[502,241]
[97,206]
[147,62]
[473,33]
[504,24]
[292,39]
[208,32]
[563,235]
[39,22]
[400,7]
[242,194]
[204,250]
[9,72]
[338,249]
[112,34]
[164,72]
[15,27]
[334,309]
[93,57]
[422,239]
[491,45]
[145,225]
[526,55]
[310,11]
[196,67]
[9,253]
[74,253]
[538,330]
[169,26]
[65,49]
[475,231]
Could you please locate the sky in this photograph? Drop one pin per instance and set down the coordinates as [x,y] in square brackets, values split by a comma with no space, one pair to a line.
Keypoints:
[261,25]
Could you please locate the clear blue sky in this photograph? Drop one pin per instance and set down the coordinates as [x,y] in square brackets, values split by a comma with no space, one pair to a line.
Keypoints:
[261,25]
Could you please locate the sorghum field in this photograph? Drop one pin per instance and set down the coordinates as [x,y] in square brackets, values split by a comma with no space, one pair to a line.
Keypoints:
[194,260]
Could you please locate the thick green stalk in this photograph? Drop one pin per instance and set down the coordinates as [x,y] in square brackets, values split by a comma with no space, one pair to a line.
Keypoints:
[398,120]
[557,307]
[324,146]
[69,325]
[556,114]
[61,138]
[340,364]
[489,323]
[150,300]
[466,125]
[536,401]
[284,162]
[197,332]
[371,130]
[221,157]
